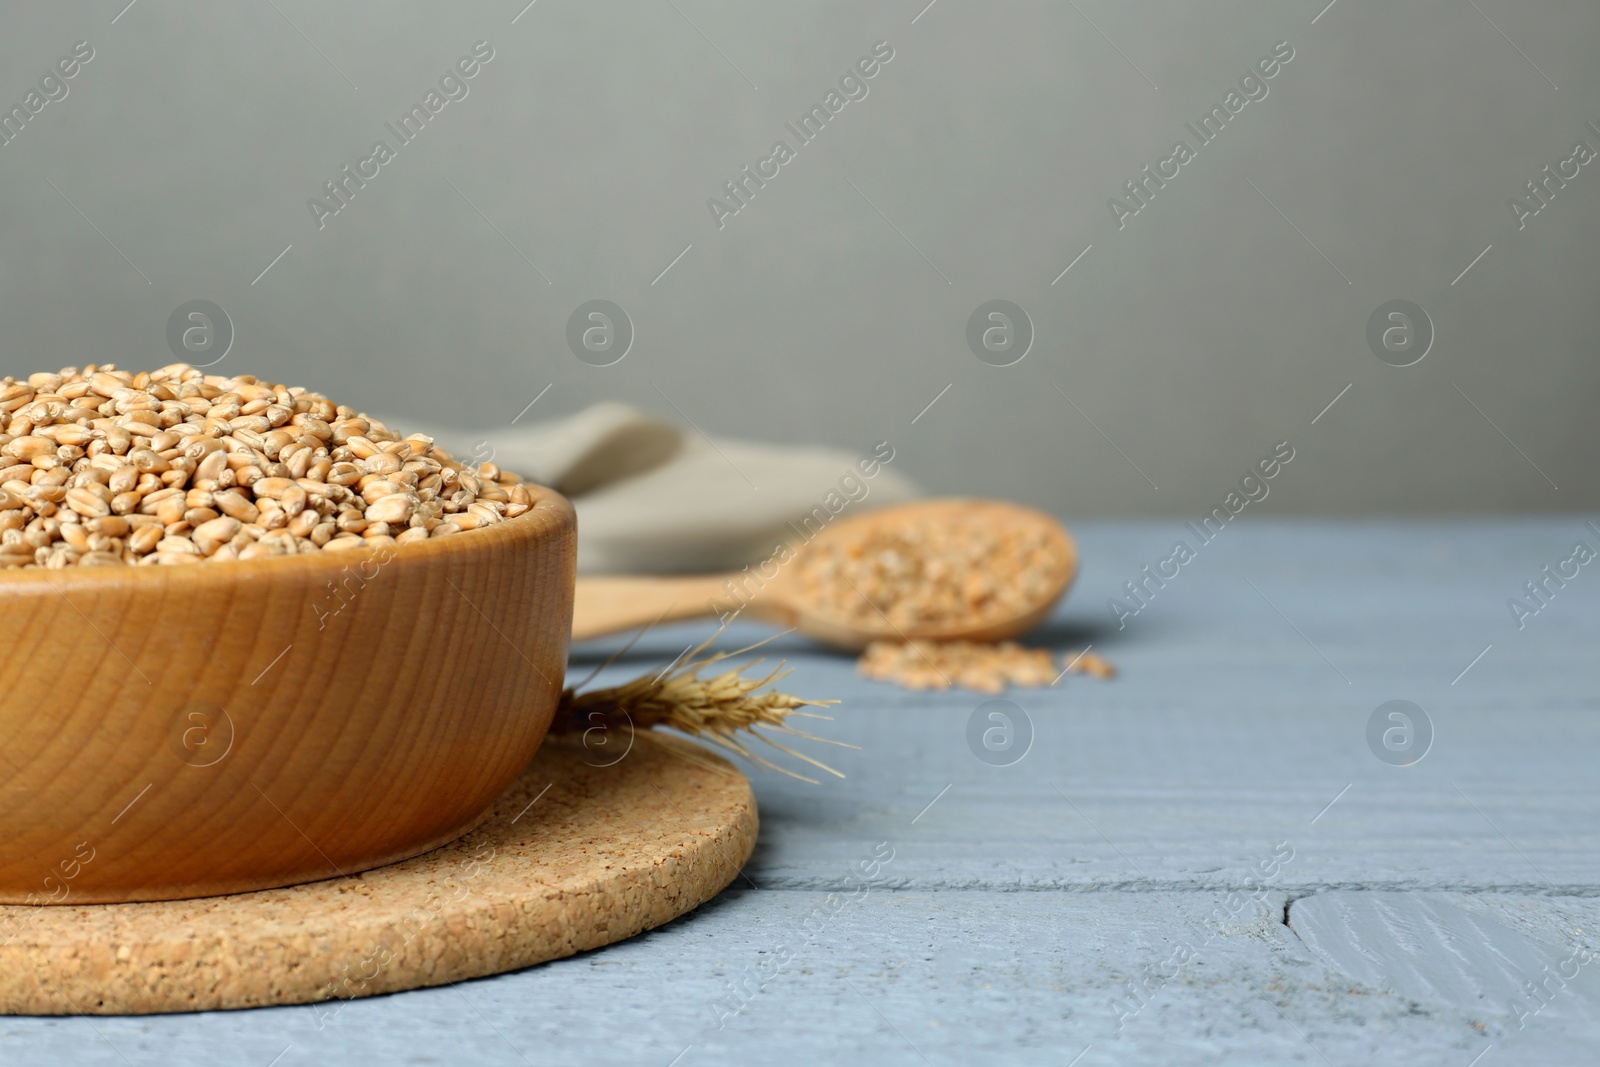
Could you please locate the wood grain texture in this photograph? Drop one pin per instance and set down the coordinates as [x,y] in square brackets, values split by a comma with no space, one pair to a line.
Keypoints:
[176,732]
[616,603]
[1015,917]
[1436,948]
[578,853]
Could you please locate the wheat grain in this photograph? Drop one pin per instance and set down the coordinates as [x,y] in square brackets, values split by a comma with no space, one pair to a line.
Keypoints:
[917,575]
[101,466]
[987,668]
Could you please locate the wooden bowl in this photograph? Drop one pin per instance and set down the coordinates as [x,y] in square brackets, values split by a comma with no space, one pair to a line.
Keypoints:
[171,732]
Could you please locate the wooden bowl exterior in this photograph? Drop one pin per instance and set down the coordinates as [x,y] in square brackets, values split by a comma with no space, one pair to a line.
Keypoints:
[172,732]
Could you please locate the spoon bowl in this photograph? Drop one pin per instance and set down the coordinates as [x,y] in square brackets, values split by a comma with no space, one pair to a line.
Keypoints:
[825,587]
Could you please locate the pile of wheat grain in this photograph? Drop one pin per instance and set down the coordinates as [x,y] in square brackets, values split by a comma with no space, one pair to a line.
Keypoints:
[103,466]
[923,574]
[980,665]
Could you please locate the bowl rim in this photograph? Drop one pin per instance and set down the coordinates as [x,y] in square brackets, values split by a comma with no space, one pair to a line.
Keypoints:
[550,515]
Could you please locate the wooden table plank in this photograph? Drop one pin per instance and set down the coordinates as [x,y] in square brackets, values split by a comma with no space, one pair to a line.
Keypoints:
[1026,899]
[896,977]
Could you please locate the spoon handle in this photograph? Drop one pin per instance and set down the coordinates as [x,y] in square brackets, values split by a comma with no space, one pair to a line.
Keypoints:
[608,605]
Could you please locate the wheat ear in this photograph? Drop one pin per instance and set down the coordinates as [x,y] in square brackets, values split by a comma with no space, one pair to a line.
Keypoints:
[721,709]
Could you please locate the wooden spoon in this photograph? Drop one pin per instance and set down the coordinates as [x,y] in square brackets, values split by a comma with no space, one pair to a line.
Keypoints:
[780,591]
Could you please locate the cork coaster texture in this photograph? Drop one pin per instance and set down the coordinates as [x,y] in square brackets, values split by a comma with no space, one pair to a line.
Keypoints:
[575,855]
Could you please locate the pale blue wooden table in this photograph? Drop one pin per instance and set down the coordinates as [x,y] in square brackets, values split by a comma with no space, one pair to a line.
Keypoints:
[1118,894]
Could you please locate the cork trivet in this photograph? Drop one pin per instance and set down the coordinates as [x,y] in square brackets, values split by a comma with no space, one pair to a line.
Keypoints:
[576,855]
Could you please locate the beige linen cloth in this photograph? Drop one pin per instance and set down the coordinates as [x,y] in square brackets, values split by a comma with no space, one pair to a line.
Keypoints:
[656,498]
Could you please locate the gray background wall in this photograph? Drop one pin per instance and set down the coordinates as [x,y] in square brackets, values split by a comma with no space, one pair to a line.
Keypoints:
[1210,327]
